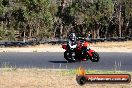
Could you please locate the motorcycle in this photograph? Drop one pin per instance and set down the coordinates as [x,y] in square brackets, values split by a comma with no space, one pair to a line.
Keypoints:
[81,53]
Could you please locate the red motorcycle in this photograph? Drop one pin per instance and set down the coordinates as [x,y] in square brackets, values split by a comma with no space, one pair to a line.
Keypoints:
[81,53]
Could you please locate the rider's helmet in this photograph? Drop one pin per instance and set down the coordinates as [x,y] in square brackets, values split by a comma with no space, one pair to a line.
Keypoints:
[72,37]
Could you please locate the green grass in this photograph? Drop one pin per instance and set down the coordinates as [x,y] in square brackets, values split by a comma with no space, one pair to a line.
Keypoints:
[73,72]
[7,67]
[67,72]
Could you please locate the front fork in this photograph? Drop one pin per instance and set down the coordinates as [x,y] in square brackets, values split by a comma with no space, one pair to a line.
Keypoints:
[72,54]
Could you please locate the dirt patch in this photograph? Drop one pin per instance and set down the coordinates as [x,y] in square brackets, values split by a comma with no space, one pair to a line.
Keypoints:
[36,78]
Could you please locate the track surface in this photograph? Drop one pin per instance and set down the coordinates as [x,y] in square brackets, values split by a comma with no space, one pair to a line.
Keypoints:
[55,60]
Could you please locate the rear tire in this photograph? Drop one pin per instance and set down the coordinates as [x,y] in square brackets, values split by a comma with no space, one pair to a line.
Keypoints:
[95,57]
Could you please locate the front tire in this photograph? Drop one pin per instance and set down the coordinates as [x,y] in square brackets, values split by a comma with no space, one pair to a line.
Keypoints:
[95,57]
[68,57]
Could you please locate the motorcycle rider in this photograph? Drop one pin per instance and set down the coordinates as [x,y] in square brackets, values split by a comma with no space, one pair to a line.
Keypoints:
[72,41]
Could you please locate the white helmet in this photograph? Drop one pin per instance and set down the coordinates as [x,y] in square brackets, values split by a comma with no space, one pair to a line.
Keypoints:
[72,37]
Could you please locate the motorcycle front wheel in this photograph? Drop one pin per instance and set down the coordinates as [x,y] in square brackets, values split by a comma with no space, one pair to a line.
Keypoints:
[95,57]
[68,57]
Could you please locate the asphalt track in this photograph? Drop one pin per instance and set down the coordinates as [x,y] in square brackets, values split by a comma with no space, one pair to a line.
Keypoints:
[55,60]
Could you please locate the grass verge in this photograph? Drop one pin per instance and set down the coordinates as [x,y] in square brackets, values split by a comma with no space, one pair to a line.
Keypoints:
[51,78]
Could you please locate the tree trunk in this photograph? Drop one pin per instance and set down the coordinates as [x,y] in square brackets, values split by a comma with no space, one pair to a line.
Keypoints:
[24,36]
[94,33]
[120,22]
[55,32]
[127,29]
[98,36]
[63,4]
[30,33]
[61,31]
[106,32]
[130,32]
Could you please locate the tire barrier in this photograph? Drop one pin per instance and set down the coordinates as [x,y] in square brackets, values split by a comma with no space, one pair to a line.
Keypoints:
[60,41]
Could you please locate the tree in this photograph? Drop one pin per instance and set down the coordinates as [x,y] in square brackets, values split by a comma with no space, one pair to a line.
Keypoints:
[95,14]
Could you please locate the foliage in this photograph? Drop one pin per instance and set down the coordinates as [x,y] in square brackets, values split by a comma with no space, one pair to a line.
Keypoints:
[39,19]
